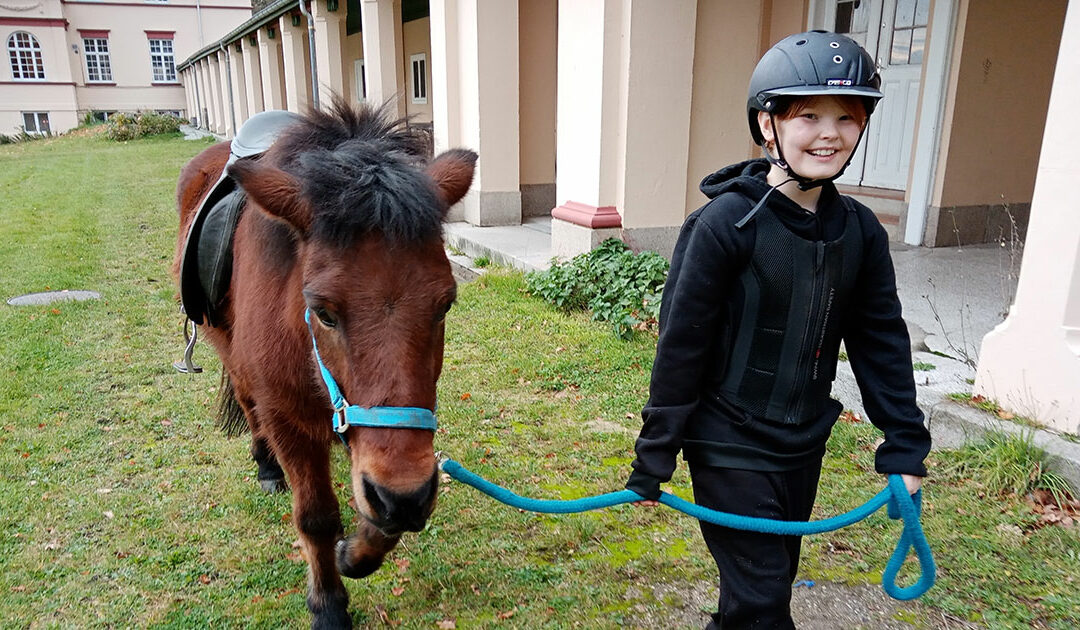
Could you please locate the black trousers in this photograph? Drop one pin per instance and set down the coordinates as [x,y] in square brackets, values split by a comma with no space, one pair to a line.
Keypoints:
[756,570]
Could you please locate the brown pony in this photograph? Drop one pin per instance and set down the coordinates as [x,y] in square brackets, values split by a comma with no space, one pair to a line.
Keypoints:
[342,219]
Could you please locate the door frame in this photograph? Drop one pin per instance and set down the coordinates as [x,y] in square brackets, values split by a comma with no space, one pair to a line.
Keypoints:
[931,107]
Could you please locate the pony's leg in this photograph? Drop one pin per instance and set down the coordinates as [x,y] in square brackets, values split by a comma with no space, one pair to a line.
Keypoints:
[362,553]
[317,518]
[271,477]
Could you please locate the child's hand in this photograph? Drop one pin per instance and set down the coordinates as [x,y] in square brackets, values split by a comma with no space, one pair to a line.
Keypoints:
[912,482]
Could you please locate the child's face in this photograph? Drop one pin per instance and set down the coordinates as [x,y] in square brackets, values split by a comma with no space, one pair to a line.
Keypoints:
[818,137]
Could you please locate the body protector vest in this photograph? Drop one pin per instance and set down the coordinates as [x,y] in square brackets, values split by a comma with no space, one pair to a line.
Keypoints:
[786,339]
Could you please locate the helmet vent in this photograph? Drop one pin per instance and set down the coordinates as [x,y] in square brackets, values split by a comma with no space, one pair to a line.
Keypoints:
[800,42]
[838,59]
[834,44]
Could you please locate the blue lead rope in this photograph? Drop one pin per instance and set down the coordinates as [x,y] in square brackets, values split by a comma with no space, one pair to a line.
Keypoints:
[901,505]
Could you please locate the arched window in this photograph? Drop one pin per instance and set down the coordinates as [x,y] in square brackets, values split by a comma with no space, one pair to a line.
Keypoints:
[25,54]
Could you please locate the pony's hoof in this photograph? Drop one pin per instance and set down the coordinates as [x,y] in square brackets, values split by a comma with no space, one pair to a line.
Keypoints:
[356,569]
[330,612]
[273,486]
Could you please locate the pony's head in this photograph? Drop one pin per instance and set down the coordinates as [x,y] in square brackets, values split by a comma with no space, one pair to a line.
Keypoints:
[353,191]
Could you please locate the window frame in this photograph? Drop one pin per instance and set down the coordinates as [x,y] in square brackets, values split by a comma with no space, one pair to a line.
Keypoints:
[18,54]
[360,74]
[418,85]
[38,117]
[99,56]
[166,62]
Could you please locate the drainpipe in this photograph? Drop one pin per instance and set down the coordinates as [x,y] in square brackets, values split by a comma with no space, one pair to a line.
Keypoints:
[311,49]
[228,84]
[198,14]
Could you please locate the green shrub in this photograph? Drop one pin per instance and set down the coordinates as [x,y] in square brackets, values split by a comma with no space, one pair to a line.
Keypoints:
[125,126]
[619,287]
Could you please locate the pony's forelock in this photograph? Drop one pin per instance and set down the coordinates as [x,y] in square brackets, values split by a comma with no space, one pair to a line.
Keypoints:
[361,174]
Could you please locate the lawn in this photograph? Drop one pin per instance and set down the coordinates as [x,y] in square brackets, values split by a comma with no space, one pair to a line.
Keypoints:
[121,504]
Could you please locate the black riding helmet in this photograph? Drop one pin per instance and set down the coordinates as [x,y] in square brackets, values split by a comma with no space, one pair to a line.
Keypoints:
[810,64]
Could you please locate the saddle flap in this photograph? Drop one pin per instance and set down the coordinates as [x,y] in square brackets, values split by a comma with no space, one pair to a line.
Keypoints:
[203,283]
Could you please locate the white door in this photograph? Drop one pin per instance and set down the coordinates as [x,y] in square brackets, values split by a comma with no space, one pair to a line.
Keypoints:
[894,33]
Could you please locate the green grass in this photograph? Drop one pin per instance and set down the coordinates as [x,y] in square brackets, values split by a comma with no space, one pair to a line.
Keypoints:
[122,505]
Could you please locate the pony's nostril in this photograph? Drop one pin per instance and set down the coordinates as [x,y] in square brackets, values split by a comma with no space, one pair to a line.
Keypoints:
[397,512]
[371,493]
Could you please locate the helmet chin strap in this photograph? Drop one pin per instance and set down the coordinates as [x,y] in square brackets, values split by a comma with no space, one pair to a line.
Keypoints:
[804,183]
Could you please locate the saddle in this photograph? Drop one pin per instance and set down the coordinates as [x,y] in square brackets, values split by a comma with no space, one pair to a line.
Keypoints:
[206,259]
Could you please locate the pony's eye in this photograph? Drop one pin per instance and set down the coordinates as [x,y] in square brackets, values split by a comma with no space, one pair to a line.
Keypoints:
[325,317]
[440,315]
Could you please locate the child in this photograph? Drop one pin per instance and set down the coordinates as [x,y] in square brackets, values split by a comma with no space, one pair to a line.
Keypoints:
[765,281]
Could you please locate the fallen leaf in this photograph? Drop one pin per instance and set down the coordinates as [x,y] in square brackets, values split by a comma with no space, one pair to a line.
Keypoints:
[475,589]
[109,514]
[1005,415]
[294,557]
[398,591]
[22,587]
[104,490]
[466,396]
[166,422]
[446,624]
[508,614]
[402,564]
[204,579]
[291,591]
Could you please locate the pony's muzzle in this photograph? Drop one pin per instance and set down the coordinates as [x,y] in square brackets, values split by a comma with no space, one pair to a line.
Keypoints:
[394,512]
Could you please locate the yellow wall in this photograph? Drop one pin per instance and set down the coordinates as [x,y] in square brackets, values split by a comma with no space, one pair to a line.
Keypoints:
[416,39]
[731,37]
[537,59]
[1002,69]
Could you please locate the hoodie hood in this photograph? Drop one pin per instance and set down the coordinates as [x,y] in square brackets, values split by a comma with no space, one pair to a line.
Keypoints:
[747,178]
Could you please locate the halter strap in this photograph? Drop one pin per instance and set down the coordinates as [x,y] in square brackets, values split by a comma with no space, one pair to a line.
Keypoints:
[346,415]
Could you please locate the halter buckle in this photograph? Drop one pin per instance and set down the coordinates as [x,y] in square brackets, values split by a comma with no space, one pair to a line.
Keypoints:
[340,422]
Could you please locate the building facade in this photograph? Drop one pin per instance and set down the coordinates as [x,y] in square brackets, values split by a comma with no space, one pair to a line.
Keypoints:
[69,58]
[606,114]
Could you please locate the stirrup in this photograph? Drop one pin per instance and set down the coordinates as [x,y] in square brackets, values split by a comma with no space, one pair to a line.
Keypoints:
[187,366]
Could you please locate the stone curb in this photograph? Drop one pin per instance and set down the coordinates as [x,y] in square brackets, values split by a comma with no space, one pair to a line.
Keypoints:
[953,424]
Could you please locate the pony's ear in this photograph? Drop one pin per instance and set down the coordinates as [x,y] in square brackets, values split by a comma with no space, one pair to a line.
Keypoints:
[453,173]
[276,192]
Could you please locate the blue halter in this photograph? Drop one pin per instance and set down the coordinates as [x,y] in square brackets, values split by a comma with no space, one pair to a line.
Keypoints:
[346,415]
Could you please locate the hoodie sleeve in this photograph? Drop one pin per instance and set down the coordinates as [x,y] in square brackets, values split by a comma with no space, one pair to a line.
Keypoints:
[698,284]
[879,349]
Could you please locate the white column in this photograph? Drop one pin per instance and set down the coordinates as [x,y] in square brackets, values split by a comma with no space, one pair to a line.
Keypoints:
[228,101]
[381,31]
[1030,364]
[476,100]
[294,50]
[213,74]
[239,81]
[253,89]
[271,67]
[329,43]
[625,85]
[445,88]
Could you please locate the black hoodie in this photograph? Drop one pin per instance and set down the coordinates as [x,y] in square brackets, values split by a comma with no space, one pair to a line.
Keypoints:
[684,402]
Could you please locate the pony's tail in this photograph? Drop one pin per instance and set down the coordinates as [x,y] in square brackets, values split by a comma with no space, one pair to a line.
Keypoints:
[230,414]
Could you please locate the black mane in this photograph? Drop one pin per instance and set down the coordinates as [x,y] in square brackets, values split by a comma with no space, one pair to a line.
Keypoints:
[361,172]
